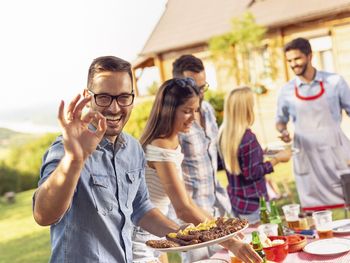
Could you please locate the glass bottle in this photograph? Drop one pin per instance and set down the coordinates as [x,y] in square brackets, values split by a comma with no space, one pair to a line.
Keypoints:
[257,246]
[275,218]
[264,213]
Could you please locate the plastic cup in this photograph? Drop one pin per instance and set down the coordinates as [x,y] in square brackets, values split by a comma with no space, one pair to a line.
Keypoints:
[291,213]
[268,229]
[323,223]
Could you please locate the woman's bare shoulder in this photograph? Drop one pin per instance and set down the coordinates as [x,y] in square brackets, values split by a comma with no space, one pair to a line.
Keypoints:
[163,143]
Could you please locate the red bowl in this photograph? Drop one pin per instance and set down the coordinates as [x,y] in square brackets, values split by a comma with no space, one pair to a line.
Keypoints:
[279,252]
[296,243]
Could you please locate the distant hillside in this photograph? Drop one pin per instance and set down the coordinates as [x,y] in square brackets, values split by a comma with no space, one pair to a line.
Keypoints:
[37,118]
[10,138]
[5,134]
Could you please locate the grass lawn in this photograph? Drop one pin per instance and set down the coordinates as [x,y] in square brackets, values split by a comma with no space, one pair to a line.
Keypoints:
[23,241]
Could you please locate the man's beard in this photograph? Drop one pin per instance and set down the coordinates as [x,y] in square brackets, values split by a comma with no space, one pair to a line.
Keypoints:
[304,67]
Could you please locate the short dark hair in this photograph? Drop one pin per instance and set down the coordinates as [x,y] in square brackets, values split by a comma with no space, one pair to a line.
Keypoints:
[299,43]
[108,63]
[186,63]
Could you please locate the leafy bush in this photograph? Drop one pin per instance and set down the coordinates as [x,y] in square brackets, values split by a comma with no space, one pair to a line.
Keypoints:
[9,179]
[216,99]
[26,161]
[153,88]
[138,119]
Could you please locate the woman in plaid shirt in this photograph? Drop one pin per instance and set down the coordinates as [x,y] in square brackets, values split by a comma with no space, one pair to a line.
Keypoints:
[243,156]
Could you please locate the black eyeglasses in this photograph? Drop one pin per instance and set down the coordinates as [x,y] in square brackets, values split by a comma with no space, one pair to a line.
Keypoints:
[204,88]
[105,100]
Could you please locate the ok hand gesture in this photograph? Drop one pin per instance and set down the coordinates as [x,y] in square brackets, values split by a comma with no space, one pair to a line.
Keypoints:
[79,142]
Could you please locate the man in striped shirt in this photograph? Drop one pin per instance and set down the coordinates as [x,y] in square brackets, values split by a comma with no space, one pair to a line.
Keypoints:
[199,147]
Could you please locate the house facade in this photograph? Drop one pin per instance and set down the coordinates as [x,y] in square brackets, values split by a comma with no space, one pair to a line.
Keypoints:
[187,26]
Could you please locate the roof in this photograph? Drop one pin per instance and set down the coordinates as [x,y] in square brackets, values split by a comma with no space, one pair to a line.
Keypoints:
[273,13]
[192,22]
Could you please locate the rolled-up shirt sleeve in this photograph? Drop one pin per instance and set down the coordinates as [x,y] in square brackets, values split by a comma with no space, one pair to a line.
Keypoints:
[282,113]
[51,160]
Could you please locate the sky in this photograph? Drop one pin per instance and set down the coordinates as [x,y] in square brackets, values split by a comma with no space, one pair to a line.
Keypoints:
[47,46]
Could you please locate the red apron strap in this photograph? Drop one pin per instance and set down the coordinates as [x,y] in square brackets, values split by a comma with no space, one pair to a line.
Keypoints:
[319,208]
[310,97]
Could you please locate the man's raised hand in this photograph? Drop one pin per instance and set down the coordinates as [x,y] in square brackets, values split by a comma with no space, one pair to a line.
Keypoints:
[79,141]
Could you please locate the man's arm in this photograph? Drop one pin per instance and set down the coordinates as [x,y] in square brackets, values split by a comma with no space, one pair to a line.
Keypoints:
[54,196]
[282,128]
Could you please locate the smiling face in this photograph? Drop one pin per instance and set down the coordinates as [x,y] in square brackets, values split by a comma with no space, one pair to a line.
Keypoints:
[112,83]
[298,61]
[185,115]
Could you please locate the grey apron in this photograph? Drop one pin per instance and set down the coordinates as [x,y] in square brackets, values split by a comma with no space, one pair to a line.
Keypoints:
[324,151]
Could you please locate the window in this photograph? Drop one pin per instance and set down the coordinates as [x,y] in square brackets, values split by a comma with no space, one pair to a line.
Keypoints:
[322,53]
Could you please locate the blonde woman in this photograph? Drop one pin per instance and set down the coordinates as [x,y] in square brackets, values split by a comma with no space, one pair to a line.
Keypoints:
[174,110]
[243,156]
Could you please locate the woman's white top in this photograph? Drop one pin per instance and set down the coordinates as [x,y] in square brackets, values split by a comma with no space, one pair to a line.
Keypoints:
[157,154]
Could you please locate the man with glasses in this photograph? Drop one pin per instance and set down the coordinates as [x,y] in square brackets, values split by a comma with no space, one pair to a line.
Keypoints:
[92,187]
[200,153]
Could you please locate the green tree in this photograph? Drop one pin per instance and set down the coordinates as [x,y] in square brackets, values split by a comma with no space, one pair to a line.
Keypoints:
[153,88]
[237,45]
[138,118]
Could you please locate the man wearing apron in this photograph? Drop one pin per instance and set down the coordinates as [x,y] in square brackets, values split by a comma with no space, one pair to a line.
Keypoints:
[314,100]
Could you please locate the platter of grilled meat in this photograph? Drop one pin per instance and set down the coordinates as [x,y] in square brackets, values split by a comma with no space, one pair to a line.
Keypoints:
[204,234]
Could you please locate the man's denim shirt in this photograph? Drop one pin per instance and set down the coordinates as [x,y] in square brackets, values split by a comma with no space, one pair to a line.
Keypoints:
[110,196]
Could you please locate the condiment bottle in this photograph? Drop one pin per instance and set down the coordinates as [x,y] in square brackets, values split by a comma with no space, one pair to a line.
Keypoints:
[310,220]
[303,224]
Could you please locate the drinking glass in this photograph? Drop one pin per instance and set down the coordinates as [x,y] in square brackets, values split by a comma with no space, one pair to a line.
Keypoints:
[291,213]
[323,223]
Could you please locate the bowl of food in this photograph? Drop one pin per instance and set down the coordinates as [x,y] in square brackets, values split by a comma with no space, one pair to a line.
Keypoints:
[296,243]
[277,250]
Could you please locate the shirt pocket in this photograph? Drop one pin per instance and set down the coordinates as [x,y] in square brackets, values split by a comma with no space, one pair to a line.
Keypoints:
[102,193]
[195,145]
[132,185]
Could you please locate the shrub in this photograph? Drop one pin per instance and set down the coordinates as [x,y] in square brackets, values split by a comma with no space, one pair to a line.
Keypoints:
[216,99]
[153,88]
[26,161]
[9,179]
[138,118]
